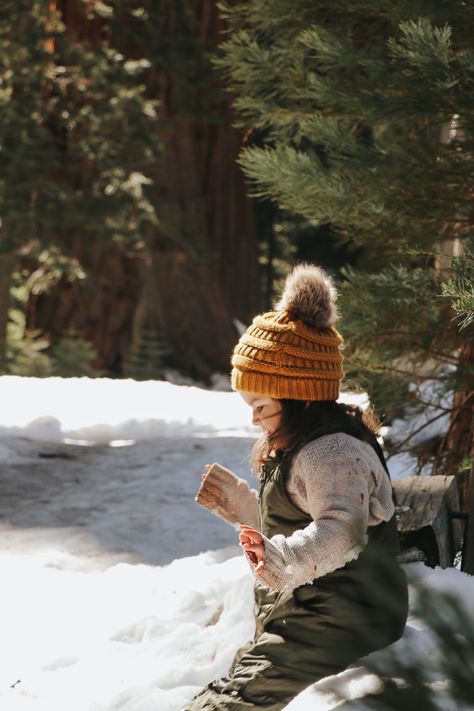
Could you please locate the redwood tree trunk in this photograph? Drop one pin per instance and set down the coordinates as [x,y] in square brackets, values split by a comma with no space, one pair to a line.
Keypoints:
[100,308]
[459,441]
[205,255]
[468,558]
[7,262]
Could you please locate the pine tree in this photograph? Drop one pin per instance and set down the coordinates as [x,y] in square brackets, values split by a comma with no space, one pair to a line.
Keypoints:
[367,113]
[147,359]
[72,356]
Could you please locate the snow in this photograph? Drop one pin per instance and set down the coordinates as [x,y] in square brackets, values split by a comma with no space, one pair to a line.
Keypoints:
[120,412]
[120,593]
[101,411]
[418,427]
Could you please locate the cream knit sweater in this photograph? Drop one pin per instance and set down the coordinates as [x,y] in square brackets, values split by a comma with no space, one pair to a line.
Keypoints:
[340,483]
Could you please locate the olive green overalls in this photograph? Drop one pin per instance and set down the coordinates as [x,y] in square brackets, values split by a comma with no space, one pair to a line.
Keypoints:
[317,629]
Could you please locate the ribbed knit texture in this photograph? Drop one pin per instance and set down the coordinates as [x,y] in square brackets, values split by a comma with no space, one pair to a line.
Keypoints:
[339,481]
[281,357]
[229,497]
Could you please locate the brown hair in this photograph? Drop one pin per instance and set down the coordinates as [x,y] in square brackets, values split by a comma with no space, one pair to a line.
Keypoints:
[303,421]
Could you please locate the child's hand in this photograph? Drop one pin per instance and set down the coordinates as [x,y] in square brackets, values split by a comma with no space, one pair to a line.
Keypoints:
[253,545]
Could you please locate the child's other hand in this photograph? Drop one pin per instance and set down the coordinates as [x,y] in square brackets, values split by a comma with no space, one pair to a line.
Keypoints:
[253,544]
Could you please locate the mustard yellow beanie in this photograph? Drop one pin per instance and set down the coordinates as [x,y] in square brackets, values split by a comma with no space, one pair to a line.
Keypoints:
[293,352]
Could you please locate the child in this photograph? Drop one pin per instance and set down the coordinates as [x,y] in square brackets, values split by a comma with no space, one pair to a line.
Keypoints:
[320,535]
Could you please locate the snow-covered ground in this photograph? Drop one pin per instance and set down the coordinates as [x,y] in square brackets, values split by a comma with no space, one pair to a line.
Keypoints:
[119,593]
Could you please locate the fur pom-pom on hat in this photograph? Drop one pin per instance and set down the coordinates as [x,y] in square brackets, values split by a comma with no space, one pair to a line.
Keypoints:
[309,295]
[294,351]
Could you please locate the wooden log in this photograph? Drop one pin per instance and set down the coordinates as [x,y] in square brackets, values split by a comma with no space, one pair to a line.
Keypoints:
[424,518]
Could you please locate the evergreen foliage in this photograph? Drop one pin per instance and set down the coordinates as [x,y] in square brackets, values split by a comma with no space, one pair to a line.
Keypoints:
[367,114]
[72,356]
[29,352]
[460,288]
[76,133]
[26,351]
[147,359]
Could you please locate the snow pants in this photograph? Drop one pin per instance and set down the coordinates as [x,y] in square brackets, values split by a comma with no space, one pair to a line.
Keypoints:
[304,636]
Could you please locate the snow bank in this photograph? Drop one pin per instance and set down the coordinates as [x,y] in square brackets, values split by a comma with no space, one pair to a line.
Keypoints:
[142,638]
[104,411]
[101,410]
[135,638]
[131,637]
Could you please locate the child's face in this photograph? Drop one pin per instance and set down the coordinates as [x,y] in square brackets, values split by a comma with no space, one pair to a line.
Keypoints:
[266,411]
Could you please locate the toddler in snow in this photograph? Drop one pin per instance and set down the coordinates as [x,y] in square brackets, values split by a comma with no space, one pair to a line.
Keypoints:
[320,532]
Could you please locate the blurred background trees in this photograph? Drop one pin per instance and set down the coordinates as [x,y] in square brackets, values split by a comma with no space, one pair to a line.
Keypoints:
[124,213]
[129,245]
[78,142]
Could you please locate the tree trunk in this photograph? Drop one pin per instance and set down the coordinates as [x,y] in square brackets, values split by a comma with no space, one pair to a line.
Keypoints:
[468,557]
[99,308]
[7,262]
[205,255]
[458,444]
[208,271]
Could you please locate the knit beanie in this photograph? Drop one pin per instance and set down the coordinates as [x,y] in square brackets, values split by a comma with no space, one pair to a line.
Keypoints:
[293,352]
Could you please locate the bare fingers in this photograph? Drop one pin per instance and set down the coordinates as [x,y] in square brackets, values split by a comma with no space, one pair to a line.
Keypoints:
[248,532]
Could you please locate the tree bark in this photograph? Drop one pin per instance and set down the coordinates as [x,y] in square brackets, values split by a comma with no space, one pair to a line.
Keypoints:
[7,262]
[205,255]
[459,441]
[468,558]
[208,270]
[99,308]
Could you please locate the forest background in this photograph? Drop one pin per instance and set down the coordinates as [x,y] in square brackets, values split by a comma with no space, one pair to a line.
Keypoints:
[163,164]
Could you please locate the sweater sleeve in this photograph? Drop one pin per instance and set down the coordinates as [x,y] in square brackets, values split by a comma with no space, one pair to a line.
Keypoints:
[335,488]
[247,506]
[228,496]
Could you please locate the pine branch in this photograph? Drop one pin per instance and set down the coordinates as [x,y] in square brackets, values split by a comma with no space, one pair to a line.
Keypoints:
[455,410]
